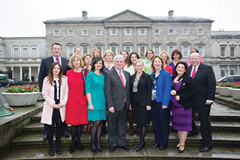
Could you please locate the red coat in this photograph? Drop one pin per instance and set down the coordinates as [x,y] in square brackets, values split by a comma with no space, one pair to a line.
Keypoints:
[76,110]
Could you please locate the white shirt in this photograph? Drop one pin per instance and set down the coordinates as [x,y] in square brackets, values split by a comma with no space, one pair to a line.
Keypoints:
[195,70]
[55,59]
[124,79]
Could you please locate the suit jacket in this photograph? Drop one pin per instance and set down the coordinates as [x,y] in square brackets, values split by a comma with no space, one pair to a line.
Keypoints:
[115,91]
[144,89]
[46,64]
[48,95]
[205,84]
[186,92]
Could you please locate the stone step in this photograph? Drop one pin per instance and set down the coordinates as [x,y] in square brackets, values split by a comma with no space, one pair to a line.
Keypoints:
[35,140]
[191,152]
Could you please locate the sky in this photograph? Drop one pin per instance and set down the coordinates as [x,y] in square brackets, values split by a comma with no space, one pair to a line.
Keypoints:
[24,18]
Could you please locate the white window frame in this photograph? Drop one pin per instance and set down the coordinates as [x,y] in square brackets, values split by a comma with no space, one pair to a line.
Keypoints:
[82,49]
[113,51]
[232,69]
[83,34]
[139,49]
[156,33]
[169,49]
[54,32]
[200,33]
[68,51]
[144,29]
[97,32]
[18,54]
[188,51]
[69,32]
[130,51]
[154,50]
[224,51]
[23,52]
[234,52]
[129,31]
[171,33]
[185,33]
[224,70]
[100,48]
[111,32]
[32,52]
[203,51]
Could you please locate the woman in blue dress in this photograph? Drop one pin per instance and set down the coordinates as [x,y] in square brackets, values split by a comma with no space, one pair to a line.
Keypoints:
[96,101]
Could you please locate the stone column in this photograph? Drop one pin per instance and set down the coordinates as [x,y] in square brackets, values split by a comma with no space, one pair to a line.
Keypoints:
[20,72]
[12,72]
[149,38]
[30,72]
[121,40]
[135,40]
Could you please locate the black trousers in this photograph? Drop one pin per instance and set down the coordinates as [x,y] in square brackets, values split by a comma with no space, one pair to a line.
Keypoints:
[64,128]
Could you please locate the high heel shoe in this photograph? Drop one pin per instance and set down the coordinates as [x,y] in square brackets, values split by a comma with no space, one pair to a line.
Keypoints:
[135,147]
[93,150]
[140,147]
[80,147]
[177,146]
[181,151]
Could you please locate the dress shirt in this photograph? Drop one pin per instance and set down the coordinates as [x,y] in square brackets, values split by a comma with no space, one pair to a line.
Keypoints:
[55,60]
[195,70]
[124,79]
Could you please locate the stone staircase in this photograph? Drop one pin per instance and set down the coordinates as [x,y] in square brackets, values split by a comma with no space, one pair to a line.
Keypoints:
[225,133]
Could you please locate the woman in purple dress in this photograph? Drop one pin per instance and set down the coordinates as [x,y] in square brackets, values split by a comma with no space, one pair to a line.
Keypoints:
[182,103]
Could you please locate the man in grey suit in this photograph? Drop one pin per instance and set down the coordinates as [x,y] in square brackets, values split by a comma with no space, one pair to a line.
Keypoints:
[117,83]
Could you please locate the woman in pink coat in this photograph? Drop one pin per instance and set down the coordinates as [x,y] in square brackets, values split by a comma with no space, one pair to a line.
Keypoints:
[55,93]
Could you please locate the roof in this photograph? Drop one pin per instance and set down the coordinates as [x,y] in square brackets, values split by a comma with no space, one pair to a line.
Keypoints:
[225,34]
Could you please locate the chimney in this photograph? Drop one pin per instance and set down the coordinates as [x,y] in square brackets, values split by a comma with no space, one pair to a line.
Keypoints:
[170,13]
[84,14]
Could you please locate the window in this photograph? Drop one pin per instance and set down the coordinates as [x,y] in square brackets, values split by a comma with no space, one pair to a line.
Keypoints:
[70,51]
[170,49]
[98,32]
[185,31]
[128,31]
[156,50]
[114,49]
[70,32]
[129,49]
[25,53]
[15,53]
[185,51]
[237,79]
[232,71]
[222,72]
[232,51]
[113,31]
[142,51]
[171,31]
[56,32]
[100,48]
[201,50]
[34,52]
[199,31]
[85,49]
[156,31]
[223,51]
[84,32]
[142,31]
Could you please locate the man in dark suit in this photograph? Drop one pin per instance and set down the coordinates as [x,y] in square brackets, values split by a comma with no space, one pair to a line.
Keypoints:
[205,85]
[117,83]
[44,68]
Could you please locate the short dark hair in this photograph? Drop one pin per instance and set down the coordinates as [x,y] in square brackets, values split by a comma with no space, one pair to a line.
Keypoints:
[178,52]
[185,65]
[129,62]
[195,50]
[57,44]
[147,52]
[95,60]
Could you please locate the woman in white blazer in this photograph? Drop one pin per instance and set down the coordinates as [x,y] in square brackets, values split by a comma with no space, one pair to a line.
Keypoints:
[55,93]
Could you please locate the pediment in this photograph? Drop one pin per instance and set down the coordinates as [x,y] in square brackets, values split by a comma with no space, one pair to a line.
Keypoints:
[127,15]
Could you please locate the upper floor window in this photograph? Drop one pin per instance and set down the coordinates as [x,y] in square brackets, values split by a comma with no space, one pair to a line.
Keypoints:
[185,31]
[113,31]
[70,51]
[56,32]
[223,50]
[128,48]
[232,71]
[200,31]
[185,51]
[170,49]
[156,31]
[25,53]
[84,32]
[157,50]
[98,32]
[232,51]
[15,53]
[34,52]
[128,31]
[114,49]
[100,48]
[201,50]
[171,31]
[85,49]
[70,32]
[142,31]
[142,51]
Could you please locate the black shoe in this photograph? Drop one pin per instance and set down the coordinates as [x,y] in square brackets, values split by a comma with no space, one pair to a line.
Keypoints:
[51,152]
[176,147]
[155,145]
[58,151]
[161,148]
[140,147]
[45,137]
[65,134]
[190,134]
[135,147]
[125,147]
[205,149]
[80,147]
[111,148]
[94,150]
[100,149]
[71,150]
[181,151]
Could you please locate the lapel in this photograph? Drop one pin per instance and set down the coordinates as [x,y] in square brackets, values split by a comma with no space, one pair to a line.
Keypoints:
[183,82]
[117,77]
[199,71]
[134,76]
[141,78]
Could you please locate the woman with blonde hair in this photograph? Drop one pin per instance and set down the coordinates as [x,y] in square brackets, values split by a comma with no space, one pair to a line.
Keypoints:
[55,93]
[108,56]
[165,59]
[76,110]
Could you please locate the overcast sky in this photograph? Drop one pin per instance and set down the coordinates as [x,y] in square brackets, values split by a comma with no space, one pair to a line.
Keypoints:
[24,18]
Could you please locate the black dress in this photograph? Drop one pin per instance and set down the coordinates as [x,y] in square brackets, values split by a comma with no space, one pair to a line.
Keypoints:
[56,113]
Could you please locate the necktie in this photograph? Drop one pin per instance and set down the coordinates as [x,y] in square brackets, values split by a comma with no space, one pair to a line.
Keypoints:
[57,60]
[194,73]
[121,77]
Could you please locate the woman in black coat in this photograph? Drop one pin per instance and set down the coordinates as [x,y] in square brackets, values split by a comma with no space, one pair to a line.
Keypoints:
[182,103]
[140,90]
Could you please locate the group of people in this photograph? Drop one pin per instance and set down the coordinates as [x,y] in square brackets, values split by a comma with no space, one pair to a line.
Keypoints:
[125,88]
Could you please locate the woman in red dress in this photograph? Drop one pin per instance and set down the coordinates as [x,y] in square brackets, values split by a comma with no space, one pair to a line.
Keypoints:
[76,110]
